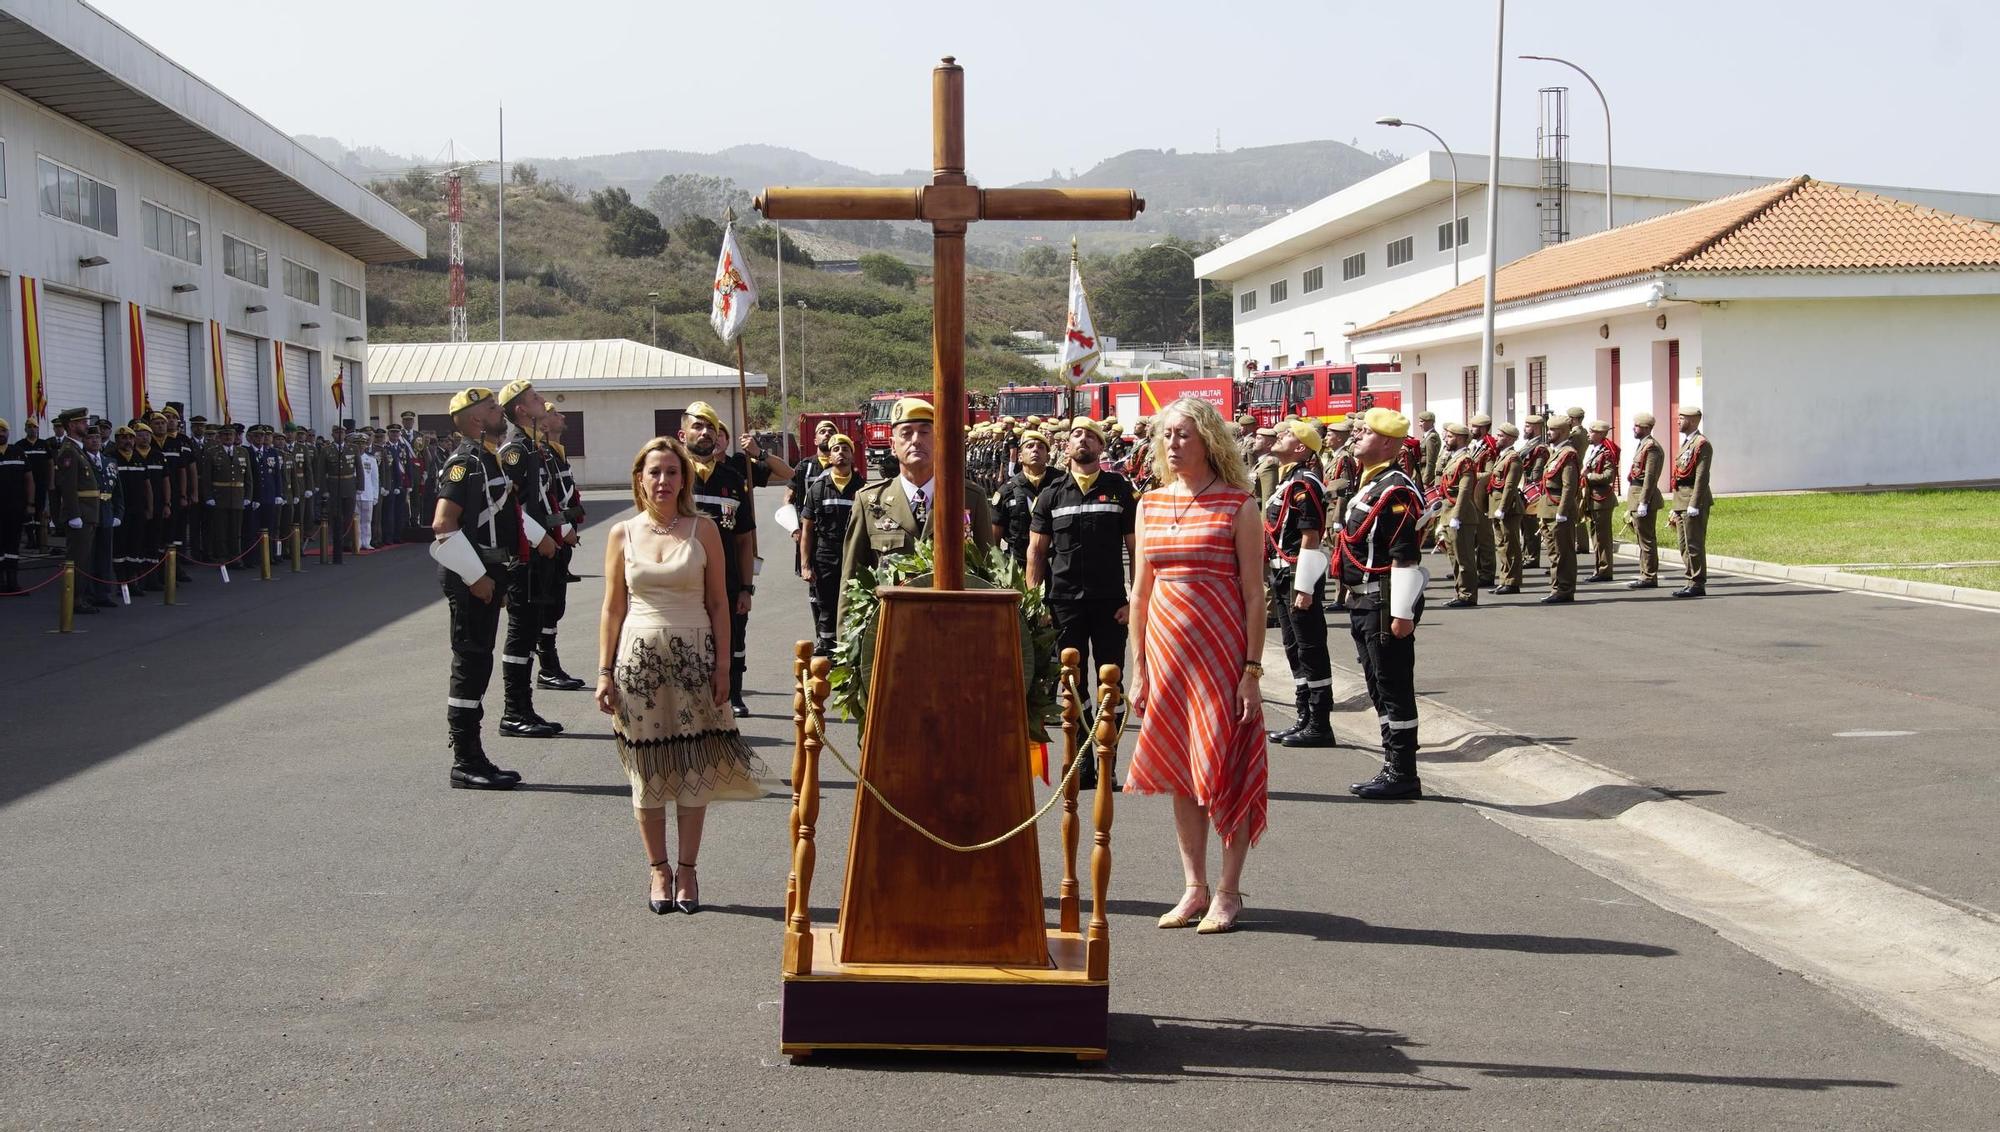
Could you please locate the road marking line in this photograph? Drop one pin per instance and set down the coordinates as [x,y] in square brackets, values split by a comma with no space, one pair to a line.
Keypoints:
[1870,734]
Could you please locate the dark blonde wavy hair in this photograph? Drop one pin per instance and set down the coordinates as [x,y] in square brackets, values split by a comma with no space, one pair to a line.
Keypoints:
[684,502]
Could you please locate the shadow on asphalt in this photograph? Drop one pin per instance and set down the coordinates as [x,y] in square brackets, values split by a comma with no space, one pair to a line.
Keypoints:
[1595,804]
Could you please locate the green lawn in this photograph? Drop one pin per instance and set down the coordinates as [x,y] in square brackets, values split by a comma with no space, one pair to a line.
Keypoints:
[1889,527]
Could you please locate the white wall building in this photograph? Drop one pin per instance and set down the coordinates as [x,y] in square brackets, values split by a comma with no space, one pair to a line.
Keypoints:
[1833,337]
[616,393]
[149,221]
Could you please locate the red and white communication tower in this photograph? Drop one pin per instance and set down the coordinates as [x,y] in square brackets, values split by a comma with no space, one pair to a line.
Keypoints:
[455,217]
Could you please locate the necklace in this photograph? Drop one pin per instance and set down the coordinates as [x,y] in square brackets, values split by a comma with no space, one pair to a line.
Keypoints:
[666,530]
[1175,526]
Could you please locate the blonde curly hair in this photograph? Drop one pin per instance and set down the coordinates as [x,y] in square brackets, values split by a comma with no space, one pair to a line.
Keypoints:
[1223,458]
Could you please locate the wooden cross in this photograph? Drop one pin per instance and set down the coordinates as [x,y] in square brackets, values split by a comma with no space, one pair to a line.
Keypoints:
[949,204]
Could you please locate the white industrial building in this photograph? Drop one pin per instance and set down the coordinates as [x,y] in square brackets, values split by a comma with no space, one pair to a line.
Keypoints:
[1832,336]
[159,240]
[615,393]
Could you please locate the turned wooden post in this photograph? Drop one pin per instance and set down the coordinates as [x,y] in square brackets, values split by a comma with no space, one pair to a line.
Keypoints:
[1072,723]
[801,661]
[1109,698]
[798,931]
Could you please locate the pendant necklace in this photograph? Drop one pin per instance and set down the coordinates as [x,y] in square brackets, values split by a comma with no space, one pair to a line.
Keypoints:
[1175,526]
[666,530]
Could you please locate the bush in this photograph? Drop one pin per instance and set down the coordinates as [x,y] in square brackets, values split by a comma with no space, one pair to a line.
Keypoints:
[880,267]
[636,233]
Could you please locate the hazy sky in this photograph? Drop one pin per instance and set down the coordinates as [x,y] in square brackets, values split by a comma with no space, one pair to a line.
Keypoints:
[1854,90]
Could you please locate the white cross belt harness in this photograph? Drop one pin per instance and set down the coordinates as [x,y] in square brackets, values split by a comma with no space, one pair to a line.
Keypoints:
[1088,509]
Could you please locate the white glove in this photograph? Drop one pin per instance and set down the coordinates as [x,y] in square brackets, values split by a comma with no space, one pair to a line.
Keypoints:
[211,503]
[1639,512]
[281,501]
[1562,518]
[1501,514]
[309,495]
[1454,524]
[254,505]
[76,524]
[117,522]
[1694,510]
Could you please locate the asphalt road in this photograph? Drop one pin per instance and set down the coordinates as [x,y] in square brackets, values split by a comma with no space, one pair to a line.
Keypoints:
[238,893]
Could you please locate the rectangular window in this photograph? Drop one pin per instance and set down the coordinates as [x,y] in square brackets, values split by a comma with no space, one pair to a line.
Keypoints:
[1279,290]
[247,262]
[1471,390]
[1464,233]
[3,168]
[346,300]
[1538,385]
[169,233]
[1402,251]
[666,422]
[1313,281]
[301,282]
[77,198]
[1354,266]
[1246,302]
[573,435]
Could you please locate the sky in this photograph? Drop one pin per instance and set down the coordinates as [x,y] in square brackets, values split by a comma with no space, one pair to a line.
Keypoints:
[1845,90]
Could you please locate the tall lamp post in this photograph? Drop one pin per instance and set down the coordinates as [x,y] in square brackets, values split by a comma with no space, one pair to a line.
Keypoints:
[1492,215]
[1453,158]
[802,352]
[1609,223]
[653,305]
[1200,312]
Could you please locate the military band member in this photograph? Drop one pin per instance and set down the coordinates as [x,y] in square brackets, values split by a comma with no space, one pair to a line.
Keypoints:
[1535,534]
[1600,485]
[891,516]
[1431,445]
[1014,503]
[566,510]
[1464,504]
[1561,502]
[474,534]
[1692,499]
[1295,525]
[1503,502]
[1643,499]
[1380,552]
[1579,439]
[1486,451]
[823,522]
[527,594]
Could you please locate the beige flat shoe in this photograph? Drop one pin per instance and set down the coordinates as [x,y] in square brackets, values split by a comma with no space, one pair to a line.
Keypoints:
[1179,919]
[1215,925]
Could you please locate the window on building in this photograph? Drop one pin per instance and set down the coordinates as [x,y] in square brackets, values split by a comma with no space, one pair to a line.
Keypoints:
[1464,233]
[169,233]
[1538,384]
[3,168]
[667,422]
[1312,281]
[346,300]
[77,198]
[1471,390]
[1354,266]
[247,262]
[572,439]
[301,282]
[1246,302]
[1279,290]
[1402,251]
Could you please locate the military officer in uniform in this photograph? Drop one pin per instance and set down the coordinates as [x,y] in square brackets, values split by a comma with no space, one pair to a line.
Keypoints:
[1503,500]
[1643,499]
[1014,503]
[75,495]
[1561,501]
[893,514]
[1600,485]
[1381,553]
[1431,445]
[823,522]
[474,535]
[1692,499]
[225,470]
[340,471]
[1534,457]
[527,593]
[1464,508]
[566,510]
[722,494]
[267,489]
[1343,473]
[1295,527]
[1485,451]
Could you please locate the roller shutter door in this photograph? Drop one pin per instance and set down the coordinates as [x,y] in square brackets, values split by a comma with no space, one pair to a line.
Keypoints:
[239,355]
[168,358]
[73,353]
[298,384]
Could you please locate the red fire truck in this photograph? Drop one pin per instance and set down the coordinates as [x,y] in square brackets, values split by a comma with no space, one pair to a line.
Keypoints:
[875,412]
[1024,401]
[1323,392]
[849,425]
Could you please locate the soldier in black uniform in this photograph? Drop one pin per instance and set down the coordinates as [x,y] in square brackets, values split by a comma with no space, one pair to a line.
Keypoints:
[1380,551]
[722,494]
[527,591]
[823,519]
[1294,530]
[17,488]
[135,489]
[566,508]
[476,532]
[36,453]
[1014,503]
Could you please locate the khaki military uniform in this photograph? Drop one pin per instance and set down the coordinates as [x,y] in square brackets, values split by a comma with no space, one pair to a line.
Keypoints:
[1691,503]
[1561,502]
[76,493]
[1642,504]
[1600,482]
[225,472]
[1464,511]
[1503,496]
[884,524]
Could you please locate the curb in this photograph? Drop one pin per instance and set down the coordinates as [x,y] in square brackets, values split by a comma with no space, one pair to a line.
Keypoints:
[1966,596]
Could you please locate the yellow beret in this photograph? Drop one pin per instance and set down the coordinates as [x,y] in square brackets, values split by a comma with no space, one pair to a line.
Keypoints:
[145,428]
[916,409]
[1480,420]
[841,440]
[123,431]
[1035,435]
[1034,421]
[1096,430]
[547,407]
[1306,434]
[1387,422]
[1644,420]
[514,389]
[702,410]
[467,398]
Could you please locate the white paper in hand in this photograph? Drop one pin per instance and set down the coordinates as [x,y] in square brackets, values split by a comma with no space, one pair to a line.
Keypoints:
[788,518]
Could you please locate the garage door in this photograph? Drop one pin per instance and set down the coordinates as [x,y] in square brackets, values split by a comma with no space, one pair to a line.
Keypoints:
[298,384]
[73,353]
[168,357]
[239,355]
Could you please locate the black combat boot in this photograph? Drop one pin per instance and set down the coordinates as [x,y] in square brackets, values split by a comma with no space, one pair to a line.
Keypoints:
[471,769]
[552,675]
[1301,709]
[518,718]
[1316,726]
[1397,780]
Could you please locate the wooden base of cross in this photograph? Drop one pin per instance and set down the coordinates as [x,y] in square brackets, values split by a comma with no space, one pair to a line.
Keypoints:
[935,948]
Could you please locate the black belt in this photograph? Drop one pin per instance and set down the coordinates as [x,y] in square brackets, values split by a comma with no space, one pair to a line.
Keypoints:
[494,556]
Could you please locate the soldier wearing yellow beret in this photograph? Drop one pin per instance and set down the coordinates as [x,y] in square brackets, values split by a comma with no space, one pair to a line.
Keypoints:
[892,515]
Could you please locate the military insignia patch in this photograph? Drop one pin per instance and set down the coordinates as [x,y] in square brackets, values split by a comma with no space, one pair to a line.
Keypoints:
[457,472]
[513,458]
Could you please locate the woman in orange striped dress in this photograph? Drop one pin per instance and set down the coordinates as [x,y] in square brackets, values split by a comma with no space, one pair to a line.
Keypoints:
[1198,618]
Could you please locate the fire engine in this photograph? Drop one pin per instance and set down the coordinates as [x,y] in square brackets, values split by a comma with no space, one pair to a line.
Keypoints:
[849,425]
[1324,392]
[1131,399]
[1024,401]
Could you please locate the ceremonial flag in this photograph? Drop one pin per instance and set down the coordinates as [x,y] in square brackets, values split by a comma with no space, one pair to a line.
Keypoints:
[31,349]
[215,370]
[339,388]
[735,295]
[135,332]
[1038,761]
[1079,348]
[278,375]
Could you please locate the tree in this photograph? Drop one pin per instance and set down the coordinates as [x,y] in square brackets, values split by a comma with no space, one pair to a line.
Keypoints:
[677,196]
[1146,296]
[699,234]
[763,239]
[636,233]
[606,204]
[525,174]
[1040,261]
[883,268]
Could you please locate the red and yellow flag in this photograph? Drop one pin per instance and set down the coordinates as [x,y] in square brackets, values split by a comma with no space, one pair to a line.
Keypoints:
[1038,761]
[217,371]
[31,349]
[135,332]
[278,374]
[339,388]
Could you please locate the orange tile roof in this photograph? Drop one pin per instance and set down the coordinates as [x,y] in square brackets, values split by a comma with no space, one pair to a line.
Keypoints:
[1795,225]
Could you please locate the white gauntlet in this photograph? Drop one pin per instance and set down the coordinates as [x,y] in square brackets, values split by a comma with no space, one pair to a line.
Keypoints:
[1311,567]
[1406,584]
[454,552]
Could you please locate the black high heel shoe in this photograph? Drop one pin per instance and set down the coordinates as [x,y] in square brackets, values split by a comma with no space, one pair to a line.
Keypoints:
[692,904]
[662,907]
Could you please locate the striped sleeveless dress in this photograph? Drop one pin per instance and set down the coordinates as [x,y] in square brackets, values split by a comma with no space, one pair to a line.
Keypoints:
[1190,742]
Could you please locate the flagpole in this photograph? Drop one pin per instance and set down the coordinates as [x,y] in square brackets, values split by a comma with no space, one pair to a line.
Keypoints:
[743,414]
[784,390]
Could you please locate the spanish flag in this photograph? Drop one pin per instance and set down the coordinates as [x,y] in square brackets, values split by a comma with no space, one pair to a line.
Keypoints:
[135,333]
[340,387]
[31,349]
[1038,761]
[216,370]
[278,375]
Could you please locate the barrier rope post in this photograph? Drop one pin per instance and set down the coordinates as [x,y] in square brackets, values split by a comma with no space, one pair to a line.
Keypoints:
[264,555]
[1097,954]
[798,957]
[801,665]
[325,551]
[1072,712]
[296,545]
[173,575]
[66,607]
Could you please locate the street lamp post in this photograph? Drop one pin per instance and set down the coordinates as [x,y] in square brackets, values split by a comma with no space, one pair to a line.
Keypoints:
[653,305]
[802,351]
[1453,158]
[1200,312]
[1602,101]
